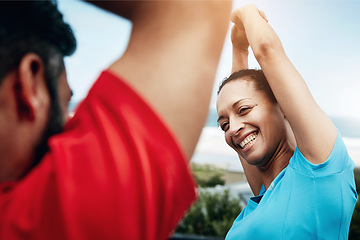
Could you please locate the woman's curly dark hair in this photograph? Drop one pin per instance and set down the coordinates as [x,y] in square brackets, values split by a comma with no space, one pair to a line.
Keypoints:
[254,75]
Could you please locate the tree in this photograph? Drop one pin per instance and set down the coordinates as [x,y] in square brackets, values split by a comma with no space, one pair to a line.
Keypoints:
[212,215]
[208,175]
[354,233]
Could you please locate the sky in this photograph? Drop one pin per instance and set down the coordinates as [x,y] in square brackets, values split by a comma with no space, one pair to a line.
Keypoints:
[321,38]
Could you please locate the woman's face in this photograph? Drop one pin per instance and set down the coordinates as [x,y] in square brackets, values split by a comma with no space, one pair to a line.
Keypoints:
[253,125]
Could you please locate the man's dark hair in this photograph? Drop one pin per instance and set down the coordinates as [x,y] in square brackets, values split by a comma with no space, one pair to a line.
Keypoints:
[36,27]
[253,75]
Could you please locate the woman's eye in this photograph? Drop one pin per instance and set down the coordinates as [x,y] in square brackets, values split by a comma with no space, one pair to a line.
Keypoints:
[224,126]
[244,110]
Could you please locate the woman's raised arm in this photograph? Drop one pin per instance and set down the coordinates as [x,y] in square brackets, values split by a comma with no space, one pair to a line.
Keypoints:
[314,132]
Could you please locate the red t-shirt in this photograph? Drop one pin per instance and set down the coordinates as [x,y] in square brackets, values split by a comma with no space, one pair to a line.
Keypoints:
[116,172]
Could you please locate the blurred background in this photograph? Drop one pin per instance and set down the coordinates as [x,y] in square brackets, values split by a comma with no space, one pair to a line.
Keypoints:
[322,39]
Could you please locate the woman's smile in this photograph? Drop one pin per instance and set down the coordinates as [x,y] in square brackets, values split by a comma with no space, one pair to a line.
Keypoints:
[248,141]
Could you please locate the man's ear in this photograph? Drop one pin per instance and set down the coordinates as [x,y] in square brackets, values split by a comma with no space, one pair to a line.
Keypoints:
[30,80]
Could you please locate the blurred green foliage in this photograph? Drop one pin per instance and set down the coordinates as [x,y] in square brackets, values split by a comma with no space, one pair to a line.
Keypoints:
[215,210]
[354,233]
[208,175]
[212,214]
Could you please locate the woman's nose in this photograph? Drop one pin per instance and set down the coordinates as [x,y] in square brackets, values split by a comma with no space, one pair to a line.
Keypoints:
[235,127]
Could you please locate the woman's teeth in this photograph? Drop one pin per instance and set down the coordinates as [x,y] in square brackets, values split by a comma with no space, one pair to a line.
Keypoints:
[248,140]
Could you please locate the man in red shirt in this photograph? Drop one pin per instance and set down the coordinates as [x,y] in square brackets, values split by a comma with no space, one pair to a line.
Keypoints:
[118,169]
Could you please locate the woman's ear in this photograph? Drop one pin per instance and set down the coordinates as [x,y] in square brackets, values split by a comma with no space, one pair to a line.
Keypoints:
[29,85]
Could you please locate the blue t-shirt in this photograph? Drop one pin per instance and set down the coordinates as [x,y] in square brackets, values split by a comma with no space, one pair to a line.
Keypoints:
[305,201]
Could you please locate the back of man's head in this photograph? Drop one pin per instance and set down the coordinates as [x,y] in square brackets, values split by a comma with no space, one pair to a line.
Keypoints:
[37,27]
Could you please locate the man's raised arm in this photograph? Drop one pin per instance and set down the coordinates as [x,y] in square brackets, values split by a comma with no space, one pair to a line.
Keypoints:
[172,59]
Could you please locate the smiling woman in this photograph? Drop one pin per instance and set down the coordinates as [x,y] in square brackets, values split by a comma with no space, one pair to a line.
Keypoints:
[249,116]
[293,156]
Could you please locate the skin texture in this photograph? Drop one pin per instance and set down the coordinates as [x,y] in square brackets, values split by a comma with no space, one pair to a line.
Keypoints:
[24,104]
[172,55]
[243,110]
[184,51]
[65,95]
[312,130]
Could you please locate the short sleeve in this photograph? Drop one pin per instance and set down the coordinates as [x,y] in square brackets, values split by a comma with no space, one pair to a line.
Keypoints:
[116,172]
[337,162]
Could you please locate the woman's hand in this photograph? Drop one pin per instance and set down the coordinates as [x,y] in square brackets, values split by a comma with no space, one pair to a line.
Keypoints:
[239,39]
[238,15]
[240,49]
